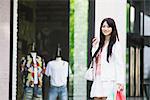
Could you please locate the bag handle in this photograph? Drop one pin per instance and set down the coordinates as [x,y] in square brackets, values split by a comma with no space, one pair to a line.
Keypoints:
[91,64]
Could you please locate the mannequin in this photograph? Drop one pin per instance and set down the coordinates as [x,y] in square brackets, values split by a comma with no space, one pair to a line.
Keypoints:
[33,53]
[57,69]
[58,56]
[35,71]
[34,66]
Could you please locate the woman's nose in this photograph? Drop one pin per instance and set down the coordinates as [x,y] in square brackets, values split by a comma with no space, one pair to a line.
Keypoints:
[105,28]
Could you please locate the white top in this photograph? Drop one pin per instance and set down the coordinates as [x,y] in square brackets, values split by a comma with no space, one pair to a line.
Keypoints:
[58,71]
[115,69]
[33,54]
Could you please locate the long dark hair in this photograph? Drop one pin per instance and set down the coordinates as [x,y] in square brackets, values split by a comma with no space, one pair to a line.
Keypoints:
[113,37]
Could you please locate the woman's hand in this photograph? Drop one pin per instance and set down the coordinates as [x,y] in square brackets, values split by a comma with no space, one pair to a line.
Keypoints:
[120,87]
[94,41]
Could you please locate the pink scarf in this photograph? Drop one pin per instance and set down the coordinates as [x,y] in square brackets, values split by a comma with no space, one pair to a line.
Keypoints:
[98,63]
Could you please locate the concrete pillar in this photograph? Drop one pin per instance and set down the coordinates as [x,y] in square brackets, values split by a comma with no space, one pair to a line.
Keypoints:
[4,49]
[80,48]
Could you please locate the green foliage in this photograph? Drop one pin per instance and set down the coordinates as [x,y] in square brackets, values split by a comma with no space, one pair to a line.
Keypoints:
[127,17]
[71,31]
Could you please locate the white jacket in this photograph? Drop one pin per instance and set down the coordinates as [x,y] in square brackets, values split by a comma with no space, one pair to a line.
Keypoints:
[115,69]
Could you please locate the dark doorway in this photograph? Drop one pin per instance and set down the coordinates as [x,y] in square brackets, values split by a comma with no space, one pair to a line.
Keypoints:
[45,23]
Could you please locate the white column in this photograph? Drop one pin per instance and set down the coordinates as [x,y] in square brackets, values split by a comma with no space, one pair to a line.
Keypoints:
[115,9]
[80,49]
[14,67]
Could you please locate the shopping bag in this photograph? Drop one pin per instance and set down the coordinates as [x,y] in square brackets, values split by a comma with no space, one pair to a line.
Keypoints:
[120,96]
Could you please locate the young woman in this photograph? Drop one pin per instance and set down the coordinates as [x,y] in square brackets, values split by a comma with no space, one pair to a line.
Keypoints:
[108,62]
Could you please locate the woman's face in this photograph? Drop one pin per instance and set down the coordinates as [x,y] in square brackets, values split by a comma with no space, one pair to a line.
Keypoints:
[106,29]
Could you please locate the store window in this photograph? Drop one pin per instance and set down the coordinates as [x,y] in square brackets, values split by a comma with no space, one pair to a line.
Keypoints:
[42,29]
